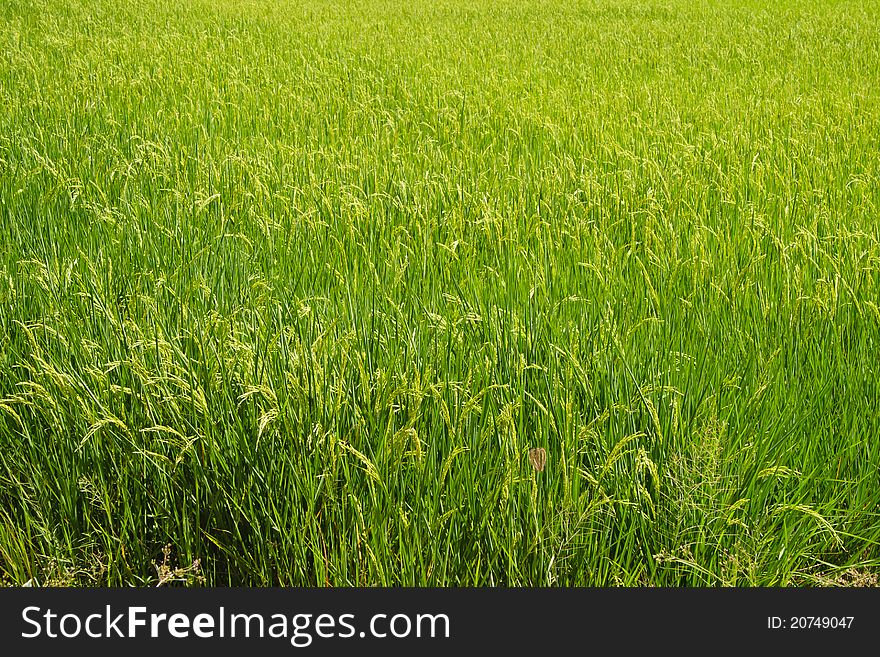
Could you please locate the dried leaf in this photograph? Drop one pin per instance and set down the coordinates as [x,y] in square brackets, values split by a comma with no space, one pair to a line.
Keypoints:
[538,458]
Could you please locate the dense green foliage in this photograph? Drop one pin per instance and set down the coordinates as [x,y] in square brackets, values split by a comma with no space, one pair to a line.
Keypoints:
[295,287]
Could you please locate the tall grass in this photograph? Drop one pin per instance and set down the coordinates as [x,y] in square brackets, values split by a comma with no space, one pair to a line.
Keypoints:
[294,289]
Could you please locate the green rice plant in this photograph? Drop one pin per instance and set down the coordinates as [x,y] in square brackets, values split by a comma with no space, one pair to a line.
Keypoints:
[439,293]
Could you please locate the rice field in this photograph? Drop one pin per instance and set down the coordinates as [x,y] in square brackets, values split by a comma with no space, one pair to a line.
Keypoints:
[440,292]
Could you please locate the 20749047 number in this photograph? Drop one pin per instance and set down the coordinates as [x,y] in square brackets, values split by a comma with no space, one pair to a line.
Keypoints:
[810,622]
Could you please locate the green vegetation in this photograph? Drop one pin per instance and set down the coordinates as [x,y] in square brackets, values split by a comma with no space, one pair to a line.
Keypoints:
[293,288]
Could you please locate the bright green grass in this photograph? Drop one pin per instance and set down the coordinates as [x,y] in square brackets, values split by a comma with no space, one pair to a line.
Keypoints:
[295,286]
